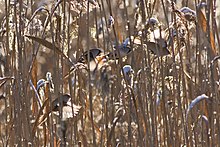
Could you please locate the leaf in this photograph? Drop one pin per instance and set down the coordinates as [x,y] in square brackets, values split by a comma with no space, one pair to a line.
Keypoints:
[3,80]
[39,119]
[212,41]
[48,45]
[6,78]
[120,113]
[202,22]
[34,79]
[196,101]
[41,8]
[43,42]
[118,30]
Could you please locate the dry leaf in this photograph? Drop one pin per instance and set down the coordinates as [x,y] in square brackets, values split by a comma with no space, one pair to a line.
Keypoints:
[202,22]
[49,45]
[3,80]
[39,119]
[34,79]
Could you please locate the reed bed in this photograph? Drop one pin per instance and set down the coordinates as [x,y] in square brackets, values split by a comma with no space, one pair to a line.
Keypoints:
[168,97]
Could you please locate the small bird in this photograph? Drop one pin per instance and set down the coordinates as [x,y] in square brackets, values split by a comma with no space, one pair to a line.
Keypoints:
[69,110]
[95,56]
[111,22]
[96,59]
[124,49]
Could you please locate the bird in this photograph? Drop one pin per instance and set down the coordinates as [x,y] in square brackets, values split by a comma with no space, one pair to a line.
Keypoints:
[69,110]
[123,49]
[95,56]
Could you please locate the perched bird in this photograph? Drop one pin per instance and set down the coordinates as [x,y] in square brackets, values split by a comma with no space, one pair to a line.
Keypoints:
[69,110]
[111,21]
[95,56]
[93,53]
[124,49]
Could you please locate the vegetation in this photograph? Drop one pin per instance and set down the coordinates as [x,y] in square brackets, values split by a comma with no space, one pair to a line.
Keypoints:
[155,81]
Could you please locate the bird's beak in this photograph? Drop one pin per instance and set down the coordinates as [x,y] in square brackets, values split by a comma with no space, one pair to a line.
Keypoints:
[101,59]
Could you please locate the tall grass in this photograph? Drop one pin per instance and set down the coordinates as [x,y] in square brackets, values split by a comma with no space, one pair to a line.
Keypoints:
[168,100]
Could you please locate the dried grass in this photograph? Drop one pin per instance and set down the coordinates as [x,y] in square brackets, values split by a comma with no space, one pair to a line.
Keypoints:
[157,101]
